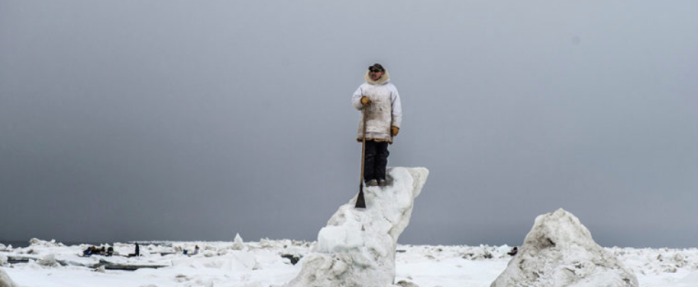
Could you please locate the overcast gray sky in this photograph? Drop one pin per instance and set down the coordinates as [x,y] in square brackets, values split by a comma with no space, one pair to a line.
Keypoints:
[196,120]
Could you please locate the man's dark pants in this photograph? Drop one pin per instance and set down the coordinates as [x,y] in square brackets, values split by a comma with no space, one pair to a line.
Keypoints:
[376,160]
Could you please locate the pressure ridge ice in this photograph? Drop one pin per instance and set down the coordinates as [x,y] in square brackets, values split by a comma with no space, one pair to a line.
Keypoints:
[357,247]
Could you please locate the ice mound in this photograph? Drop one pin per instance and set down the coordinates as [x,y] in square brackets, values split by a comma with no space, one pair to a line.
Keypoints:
[357,247]
[5,280]
[559,251]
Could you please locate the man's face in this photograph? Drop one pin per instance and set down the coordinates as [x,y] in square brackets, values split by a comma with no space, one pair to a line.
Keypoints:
[375,74]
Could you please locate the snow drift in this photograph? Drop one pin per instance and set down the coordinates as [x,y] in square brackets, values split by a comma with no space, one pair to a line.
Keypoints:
[357,247]
[559,251]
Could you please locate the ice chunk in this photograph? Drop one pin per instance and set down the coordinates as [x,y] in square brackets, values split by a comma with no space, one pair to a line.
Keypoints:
[238,244]
[357,247]
[559,251]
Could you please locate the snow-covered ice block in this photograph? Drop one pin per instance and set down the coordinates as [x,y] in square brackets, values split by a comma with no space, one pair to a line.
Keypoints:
[49,260]
[559,251]
[5,280]
[357,247]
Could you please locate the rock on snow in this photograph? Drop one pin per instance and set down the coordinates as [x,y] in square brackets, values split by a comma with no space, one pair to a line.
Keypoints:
[357,247]
[559,251]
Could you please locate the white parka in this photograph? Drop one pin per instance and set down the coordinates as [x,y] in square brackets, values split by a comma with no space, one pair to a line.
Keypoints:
[384,110]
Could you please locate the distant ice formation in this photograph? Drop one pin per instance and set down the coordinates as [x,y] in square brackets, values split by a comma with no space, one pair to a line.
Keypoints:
[357,247]
[238,243]
[559,251]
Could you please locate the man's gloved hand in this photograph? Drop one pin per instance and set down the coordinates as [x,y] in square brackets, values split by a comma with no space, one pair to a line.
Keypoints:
[394,130]
[365,100]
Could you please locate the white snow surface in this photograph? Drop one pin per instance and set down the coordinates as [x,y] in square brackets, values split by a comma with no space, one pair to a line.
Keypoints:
[261,265]
[357,247]
[559,251]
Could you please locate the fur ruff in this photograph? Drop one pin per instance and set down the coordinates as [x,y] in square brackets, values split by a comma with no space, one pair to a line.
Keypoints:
[383,79]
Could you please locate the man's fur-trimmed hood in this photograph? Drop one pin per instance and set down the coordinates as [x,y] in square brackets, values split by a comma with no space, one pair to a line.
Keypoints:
[384,79]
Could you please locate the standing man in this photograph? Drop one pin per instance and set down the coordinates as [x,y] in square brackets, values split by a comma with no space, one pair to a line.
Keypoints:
[137,253]
[378,98]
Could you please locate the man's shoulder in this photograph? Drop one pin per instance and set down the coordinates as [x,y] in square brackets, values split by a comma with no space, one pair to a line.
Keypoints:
[391,86]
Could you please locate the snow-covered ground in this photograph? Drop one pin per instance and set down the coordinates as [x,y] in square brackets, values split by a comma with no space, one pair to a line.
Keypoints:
[260,264]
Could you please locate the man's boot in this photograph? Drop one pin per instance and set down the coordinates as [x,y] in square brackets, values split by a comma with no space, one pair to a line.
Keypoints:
[372,182]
